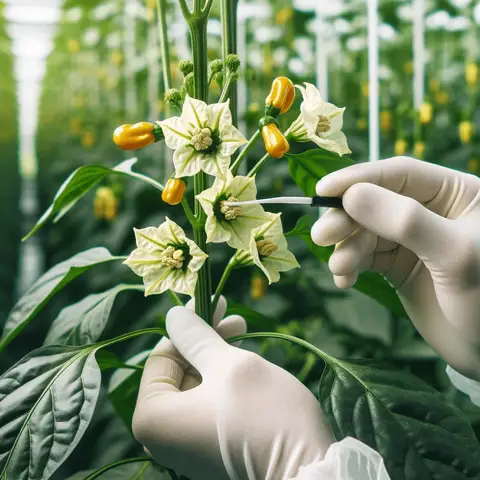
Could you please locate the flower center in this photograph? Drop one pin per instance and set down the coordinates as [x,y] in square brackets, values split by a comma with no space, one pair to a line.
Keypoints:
[201,139]
[230,213]
[172,257]
[323,124]
[266,247]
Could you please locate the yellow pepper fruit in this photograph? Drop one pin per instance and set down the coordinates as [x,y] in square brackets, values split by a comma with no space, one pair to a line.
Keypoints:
[465,131]
[362,124]
[471,73]
[105,204]
[434,85]
[73,46]
[442,97]
[426,113]
[284,15]
[400,147]
[385,121]
[419,149]
[473,165]
[133,137]
[258,287]
[88,139]
[365,89]
[174,191]
[275,142]
[281,97]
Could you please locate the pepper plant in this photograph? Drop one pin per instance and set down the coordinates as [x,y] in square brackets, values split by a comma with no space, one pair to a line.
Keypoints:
[48,398]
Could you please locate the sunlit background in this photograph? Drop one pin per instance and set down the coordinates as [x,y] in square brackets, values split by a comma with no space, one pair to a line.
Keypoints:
[73,70]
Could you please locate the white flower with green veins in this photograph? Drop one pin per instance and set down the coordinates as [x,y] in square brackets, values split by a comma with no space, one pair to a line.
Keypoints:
[203,138]
[231,224]
[268,249]
[320,122]
[166,259]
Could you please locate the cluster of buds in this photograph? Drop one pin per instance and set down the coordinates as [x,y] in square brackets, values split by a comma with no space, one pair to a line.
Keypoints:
[139,135]
[105,204]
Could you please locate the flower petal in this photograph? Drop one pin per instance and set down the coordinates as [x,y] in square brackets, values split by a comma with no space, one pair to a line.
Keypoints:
[242,188]
[195,113]
[170,232]
[216,164]
[336,121]
[232,140]
[208,197]
[176,132]
[219,116]
[156,281]
[241,228]
[216,233]
[141,262]
[187,161]
[337,143]
[198,256]
[149,239]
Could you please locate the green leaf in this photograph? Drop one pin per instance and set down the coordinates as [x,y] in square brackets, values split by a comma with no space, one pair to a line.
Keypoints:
[129,469]
[79,183]
[309,167]
[369,283]
[123,388]
[46,403]
[408,422]
[84,322]
[255,321]
[47,286]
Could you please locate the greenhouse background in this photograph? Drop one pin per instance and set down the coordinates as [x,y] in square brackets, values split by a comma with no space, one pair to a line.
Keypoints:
[71,71]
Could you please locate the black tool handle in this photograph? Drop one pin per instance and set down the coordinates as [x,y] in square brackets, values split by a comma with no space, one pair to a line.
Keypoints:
[332,202]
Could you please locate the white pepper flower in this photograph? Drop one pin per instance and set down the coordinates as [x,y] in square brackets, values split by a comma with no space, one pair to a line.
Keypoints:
[203,138]
[166,259]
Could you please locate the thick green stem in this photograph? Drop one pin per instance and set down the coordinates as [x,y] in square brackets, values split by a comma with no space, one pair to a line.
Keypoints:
[198,32]
[228,16]
[236,165]
[259,165]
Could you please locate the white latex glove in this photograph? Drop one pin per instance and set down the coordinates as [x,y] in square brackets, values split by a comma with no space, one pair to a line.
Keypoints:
[247,420]
[419,225]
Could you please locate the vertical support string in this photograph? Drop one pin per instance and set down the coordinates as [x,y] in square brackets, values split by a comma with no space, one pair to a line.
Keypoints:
[373,87]
[418,53]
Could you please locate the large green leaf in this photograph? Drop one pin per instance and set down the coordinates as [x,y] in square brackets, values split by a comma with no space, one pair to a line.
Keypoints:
[79,183]
[369,283]
[46,403]
[123,388]
[47,286]
[129,469]
[309,167]
[83,323]
[409,423]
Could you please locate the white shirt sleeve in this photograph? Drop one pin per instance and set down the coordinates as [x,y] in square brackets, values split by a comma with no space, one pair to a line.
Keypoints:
[348,459]
[465,385]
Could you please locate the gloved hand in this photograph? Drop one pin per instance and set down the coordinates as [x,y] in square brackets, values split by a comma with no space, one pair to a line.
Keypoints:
[247,419]
[419,225]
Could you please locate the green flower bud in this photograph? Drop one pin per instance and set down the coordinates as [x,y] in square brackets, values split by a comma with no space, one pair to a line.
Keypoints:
[188,83]
[232,62]
[234,77]
[174,97]
[216,66]
[219,78]
[186,67]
